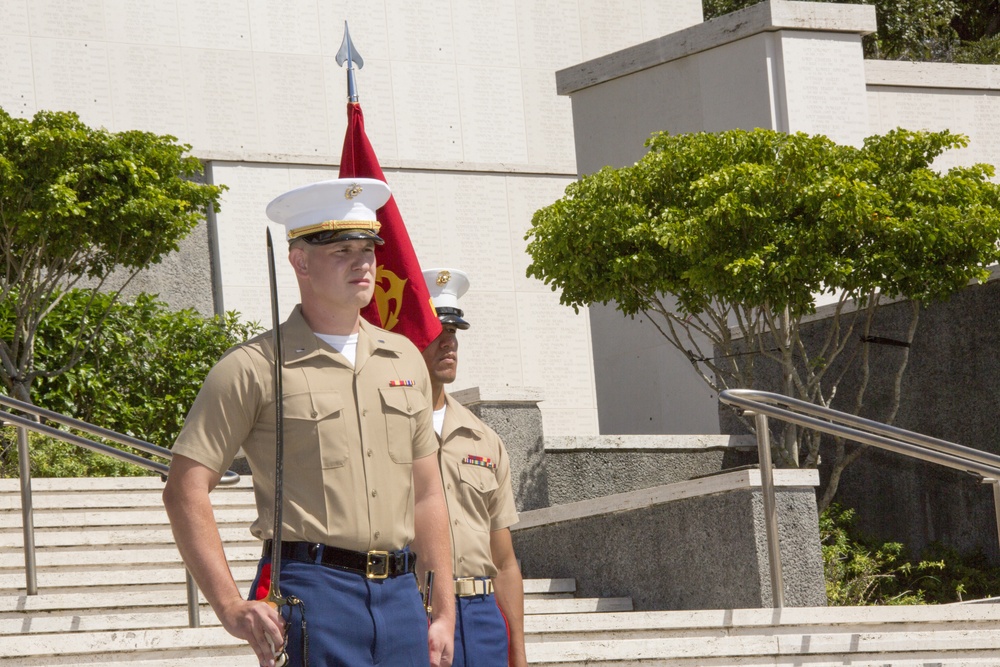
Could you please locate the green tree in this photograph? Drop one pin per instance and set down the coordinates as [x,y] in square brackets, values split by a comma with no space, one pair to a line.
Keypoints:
[139,377]
[77,204]
[965,31]
[723,241]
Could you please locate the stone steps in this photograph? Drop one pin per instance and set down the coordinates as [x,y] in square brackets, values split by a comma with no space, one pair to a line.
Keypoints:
[112,592]
[949,636]
[135,611]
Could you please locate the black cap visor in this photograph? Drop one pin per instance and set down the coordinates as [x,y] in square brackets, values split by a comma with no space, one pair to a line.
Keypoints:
[452,316]
[336,235]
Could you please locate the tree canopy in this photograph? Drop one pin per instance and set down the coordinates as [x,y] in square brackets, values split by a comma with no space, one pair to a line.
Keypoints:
[765,219]
[965,31]
[724,241]
[76,204]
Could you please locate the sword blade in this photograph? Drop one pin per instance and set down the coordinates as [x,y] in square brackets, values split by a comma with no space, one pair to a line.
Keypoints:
[274,592]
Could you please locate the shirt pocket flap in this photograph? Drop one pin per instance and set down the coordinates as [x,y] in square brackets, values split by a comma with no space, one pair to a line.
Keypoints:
[317,405]
[479,478]
[404,400]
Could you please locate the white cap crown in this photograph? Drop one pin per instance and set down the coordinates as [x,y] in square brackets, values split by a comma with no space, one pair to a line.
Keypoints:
[344,206]
[445,287]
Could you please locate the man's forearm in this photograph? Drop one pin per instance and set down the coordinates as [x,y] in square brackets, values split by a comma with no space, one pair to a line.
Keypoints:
[433,546]
[197,536]
[196,533]
[432,543]
[509,592]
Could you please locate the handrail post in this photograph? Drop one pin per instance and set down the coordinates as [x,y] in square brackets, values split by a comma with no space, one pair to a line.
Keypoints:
[995,483]
[194,617]
[27,514]
[770,510]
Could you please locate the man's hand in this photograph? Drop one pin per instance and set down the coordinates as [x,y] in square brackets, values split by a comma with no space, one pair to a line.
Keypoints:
[259,624]
[441,640]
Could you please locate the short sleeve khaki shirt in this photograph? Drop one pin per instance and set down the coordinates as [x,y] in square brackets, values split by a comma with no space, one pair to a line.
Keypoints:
[350,434]
[475,470]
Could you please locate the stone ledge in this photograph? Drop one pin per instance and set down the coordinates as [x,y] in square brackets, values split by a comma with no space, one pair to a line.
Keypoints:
[764,17]
[633,500]
[896,73]
[649,443]
[497,394]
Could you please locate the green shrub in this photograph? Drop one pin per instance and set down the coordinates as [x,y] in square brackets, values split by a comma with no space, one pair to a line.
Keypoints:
[965,576]
[860,571]
[983,52]
[54,458]
[139,377]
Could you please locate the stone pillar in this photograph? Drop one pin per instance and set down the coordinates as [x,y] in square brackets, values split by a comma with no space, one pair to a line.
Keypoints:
[513,413]
[788,66]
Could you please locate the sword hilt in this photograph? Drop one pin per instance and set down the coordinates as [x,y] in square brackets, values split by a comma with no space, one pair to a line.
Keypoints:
[276,602]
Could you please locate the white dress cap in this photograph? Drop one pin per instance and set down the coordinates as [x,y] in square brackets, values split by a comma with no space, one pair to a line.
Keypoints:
[445,287]
[329,211]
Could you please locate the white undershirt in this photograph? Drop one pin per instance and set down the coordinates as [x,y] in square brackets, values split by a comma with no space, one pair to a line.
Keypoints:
[439,419]
[346,345]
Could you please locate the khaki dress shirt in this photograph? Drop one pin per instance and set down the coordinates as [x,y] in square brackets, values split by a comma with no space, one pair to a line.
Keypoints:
[480,497]
[350,434]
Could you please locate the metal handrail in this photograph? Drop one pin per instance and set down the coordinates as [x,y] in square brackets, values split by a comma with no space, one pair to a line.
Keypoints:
[763,404]
[25,424]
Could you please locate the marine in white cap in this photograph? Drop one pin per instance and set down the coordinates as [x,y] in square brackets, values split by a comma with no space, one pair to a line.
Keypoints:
[362,488]
[475,468]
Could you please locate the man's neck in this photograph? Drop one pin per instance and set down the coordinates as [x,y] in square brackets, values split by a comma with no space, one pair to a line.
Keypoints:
[323,321]
[437,395]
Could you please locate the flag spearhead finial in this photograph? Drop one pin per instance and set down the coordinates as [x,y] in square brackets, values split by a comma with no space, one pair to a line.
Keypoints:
[348,54]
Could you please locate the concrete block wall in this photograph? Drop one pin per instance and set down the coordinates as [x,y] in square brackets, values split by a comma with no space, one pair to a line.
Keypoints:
[699,544]
[583,467]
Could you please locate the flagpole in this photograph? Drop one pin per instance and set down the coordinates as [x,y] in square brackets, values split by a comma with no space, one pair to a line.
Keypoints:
[350,55]
[401,302]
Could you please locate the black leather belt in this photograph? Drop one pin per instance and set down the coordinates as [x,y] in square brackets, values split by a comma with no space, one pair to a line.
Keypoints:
[372,564]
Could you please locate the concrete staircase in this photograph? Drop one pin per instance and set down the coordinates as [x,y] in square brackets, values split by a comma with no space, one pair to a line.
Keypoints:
[111,591]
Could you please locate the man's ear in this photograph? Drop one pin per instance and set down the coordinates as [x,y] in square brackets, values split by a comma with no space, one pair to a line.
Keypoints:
[297,258]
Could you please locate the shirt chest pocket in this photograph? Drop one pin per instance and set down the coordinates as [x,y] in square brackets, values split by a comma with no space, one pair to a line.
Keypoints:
[400,408]
[477,487]
[316,422]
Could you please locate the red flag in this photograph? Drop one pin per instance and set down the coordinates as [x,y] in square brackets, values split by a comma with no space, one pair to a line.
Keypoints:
[401,303]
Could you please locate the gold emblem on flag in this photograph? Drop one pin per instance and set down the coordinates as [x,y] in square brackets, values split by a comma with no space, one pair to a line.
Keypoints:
[443,278]
[388,296]
[352,191]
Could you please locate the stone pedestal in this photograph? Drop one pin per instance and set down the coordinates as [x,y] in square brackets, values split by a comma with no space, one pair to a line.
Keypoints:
[513,413]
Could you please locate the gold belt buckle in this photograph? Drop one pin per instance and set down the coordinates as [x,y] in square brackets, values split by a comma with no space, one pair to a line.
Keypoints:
[372,559]
[470,586]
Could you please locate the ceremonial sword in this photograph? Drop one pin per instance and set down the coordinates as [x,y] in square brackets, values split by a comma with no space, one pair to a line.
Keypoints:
[274,597]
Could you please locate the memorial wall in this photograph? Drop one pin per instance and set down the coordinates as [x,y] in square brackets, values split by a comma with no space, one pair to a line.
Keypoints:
[460,104]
